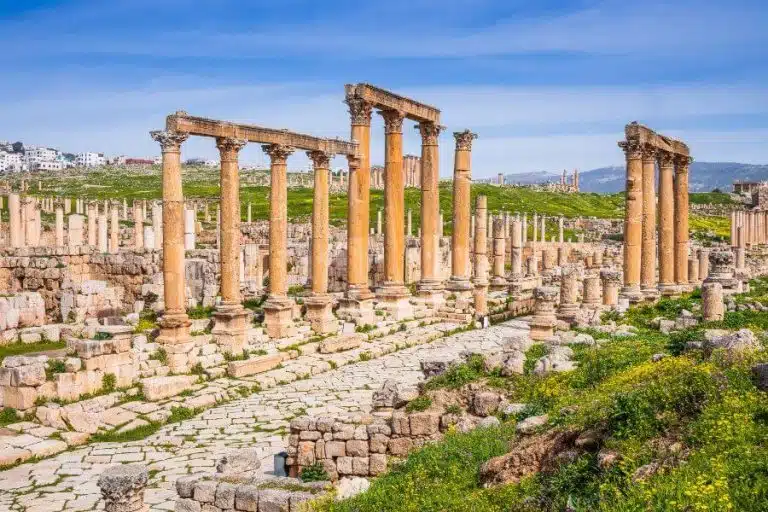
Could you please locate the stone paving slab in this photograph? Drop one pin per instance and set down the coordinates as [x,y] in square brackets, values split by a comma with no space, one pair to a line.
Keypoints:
[68,480]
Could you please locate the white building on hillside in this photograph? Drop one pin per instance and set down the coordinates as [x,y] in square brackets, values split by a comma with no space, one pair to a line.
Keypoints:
[11,162]
[36,155]
[90,160]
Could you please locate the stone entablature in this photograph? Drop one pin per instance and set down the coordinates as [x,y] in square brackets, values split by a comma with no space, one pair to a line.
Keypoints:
[384,99]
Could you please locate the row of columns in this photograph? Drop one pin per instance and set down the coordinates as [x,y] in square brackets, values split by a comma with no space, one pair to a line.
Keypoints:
[749,228]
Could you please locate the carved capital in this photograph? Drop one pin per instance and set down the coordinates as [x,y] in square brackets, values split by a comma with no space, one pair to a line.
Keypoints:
[464,140]
[393,121]
[353,162]
[359,111]
[649,152]
[632,149]
[169,141]
[320,159]
[681,164]
[279,153]
[546,293]
[229,146]
[429,133]
[665,158]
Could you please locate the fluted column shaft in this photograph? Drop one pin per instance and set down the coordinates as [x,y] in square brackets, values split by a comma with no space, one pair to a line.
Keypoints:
[462,180]
[681,219]
[666,221]
[359,196]
[648,249]
[229,247]
[321,162]
[633,215]
[394,230]
[278,220]
[430,206]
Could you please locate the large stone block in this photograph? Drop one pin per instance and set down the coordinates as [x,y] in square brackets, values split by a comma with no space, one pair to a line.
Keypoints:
[157,388]
[254,365]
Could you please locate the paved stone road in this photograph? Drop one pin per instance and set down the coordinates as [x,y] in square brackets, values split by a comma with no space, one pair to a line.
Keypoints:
[68,481]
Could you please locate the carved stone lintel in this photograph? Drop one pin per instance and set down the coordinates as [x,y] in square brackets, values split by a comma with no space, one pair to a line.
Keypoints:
[360,111]
[320,159]
[229,147]
[169,141]
[633,149]
[429,133]
[393,121]
[279,153]
[464,140]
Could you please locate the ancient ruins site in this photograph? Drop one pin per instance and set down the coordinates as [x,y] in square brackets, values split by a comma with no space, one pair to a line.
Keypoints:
[379,338]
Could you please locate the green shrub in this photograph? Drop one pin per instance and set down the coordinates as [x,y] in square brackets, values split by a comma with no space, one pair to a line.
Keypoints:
[533,354]
[314,473]
[160,355]
[458,375]
[419,404]
[108,382]
[8,415]
[101,336]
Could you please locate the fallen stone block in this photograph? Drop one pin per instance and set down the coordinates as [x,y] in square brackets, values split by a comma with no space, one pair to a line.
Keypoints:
[157,388]
[340,343]
[254,365]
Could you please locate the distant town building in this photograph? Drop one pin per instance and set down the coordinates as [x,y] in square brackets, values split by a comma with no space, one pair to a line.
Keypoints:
[90,160]
[745,187]
[11,162]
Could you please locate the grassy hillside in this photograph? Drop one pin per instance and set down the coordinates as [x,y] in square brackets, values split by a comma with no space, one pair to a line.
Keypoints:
[203,183]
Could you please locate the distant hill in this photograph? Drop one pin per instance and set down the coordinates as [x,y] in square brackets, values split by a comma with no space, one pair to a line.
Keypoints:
[704,177]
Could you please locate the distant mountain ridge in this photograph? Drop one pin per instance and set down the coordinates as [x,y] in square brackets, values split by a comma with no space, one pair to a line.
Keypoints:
[704,177]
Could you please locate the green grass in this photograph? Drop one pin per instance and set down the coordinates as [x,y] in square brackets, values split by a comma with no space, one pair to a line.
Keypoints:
[16,349]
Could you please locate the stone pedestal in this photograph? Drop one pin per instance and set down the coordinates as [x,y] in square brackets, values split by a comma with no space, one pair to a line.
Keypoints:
[230,328]
[544,320]
[693,271]
[722,272]
[320,314]
[174,337]
[278,317]
[75,231]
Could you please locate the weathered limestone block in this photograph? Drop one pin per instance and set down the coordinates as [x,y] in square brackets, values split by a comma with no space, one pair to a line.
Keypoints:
[243,462]
[712,307]
[122,487]
[254,365]
[157,388]
[340,343]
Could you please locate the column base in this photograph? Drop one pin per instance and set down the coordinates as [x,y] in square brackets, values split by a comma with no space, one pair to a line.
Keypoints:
[175,339]
[458,284]
[668,290]
[568,312]
[480,297]
[230,328]
[320,314]
[499,284]
[394,299]
[357,310]
[632,293]
[430,293]
[650,293]
[542,329]
[278,317]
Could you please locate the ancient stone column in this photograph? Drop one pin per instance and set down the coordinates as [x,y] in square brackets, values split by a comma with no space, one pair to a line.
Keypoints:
[462,178]
[721,269]
[693,271]
[358,220]
[734,220]
[611,282]
[681,220]
[393,295]
[543,228]
[157,223]
[250,218]
[535,227]
[712,307]
[562,255]
[633,216]
[114,230]
[524,233]
[480,280]
[319,304]
[59,228]
[569,307]
[666,234]
[409,223]
[174,324]
[560,232]
[93,211]
[102,232]
[499,248]
[230,318]
[703,264]
[591,291]
[75,231]
[648,246]
[544,319]
[122,488]
[14,224]
[517,250]
[138,226]
[278,308]
[190,237]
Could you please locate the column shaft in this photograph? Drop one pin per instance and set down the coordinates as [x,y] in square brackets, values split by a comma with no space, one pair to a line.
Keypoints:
[229,248]
[394,239]
[666,221]
[633,218]
[648,248]
[461,210]
[430,206]
[681,220]
[320,223]
[278,221]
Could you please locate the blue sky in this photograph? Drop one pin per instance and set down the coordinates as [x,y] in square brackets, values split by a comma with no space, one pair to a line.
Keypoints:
[547,85]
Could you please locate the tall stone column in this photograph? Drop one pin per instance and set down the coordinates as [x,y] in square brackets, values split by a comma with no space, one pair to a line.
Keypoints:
[499,248]
[569,307]
[75,231]
[14,224]
[517,250]
[114,229]
[681,220]
[138,225]
[430,285]
[734,218]
[319,304]
[480,280]
[59,228]
[633,214]
[666,224]
[358,294]
[648,247]
[157,223]
[703,264]
[278,308]
[230,319]
[462,181]
[93,212]
[174,324]
[393,295]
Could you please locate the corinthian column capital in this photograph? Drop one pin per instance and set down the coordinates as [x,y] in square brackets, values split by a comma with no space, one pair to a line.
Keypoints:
[279,153]
[169,141]
[429,133]
[359,111]
[632,148]
[464,140]
[649,152]
[665,158]
[229,146]
[320,159]
[681,164]
[393,121]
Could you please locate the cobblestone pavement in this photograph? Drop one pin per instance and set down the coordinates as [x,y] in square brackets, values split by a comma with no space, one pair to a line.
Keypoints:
[68,481]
